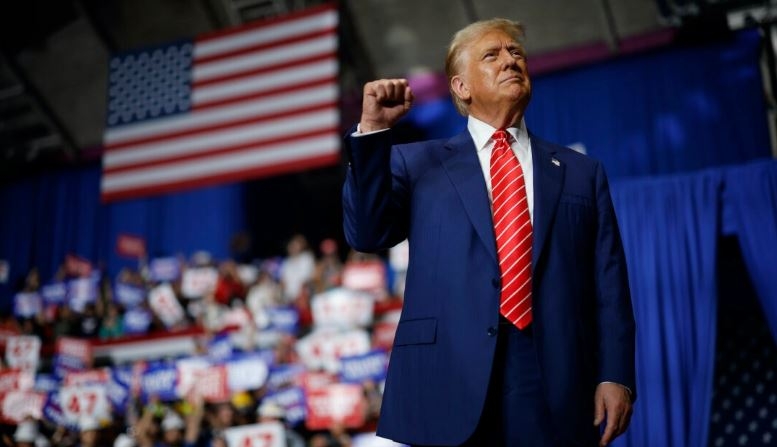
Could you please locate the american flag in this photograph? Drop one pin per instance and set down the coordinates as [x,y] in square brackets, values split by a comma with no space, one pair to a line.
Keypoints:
[232,105]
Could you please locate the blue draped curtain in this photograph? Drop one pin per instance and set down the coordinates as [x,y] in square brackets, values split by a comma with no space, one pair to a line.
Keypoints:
[670,229]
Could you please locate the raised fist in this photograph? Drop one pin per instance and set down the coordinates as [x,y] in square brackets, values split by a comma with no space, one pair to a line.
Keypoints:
[385,102]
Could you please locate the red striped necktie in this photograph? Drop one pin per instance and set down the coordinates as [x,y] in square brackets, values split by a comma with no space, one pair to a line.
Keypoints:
[513,229]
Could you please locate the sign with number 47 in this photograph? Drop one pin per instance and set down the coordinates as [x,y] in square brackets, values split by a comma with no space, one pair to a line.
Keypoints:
[268,434]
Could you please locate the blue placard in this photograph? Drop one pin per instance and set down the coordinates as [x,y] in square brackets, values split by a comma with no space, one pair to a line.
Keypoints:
[54,293]
[220,348]
[160,381]
[81,291]
[164,269]
[293,401]
[360,368]
[118,388]
[137,321]
[27,304]
[283,376]
[64,364]
[128,295]
[46,383]
[283,319]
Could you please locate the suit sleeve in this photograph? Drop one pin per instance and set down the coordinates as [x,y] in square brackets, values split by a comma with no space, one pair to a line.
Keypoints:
[375,193]
[615,317]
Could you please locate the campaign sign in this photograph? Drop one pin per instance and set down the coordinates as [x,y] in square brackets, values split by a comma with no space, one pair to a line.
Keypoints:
[165,305]
[88,377]
[54,293]
[316,380]
[22,352]
[247,273]
[160,381]
[82,291]
[284,319]
[130,246]
[337,404]
[211,384]
[118,388]
[292,400]
[198,282]
[220,348]
[187,368]
[342,308]
[45,383]
[16,380]
[27,305]
[383,334]
[74,352]
[247,372]
[18,405]
[128,295]
[268,434]
[372,440]
[85,401]
[137,321]
[52,410]
[282,376]
[366,367]
[77,266]
[323,349]
[367,276]
[164,269]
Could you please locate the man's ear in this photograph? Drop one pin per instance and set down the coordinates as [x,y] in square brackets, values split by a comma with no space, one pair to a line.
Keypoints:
[459,88]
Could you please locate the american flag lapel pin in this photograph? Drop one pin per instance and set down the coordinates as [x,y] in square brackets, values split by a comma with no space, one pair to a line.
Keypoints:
[555,161]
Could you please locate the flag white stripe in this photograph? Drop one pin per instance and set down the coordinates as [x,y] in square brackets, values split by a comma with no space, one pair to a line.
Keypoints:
[266,34]
[199,143]
[218,115]
[298,75]
[250,61]
[261,155]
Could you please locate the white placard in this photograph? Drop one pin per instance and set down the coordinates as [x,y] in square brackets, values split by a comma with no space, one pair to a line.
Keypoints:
[187,373]
[268,434]
[246,374]
[165,305]
[22,352]
[198,282]
[323,349]
[86,401]
[342,308]
[19,405]
[247,273]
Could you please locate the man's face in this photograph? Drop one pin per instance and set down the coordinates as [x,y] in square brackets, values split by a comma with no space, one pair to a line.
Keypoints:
[493,74]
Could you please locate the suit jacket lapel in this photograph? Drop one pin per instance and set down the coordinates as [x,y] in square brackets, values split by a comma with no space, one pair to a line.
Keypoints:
[461,162]
[548,183]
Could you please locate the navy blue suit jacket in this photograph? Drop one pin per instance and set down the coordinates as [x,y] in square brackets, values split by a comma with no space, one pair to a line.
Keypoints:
[434,194]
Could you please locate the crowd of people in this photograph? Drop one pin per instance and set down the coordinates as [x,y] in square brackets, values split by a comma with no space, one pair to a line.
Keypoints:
[311,333]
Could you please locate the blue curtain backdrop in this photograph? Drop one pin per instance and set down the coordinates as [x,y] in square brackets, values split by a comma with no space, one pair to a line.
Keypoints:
[670,231]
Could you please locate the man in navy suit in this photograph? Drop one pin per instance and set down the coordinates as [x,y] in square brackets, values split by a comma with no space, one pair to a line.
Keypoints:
[462,373]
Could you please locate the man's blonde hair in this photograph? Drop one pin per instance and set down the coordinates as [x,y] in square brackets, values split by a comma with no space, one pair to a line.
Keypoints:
[465,37]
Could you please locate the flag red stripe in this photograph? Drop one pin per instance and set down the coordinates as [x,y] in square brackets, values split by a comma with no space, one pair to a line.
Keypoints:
[215,35]
[233,176]
[267,116]
[265,69]
[219,151]
[261,47]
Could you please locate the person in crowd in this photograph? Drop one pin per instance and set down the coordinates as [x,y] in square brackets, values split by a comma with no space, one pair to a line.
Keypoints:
[517,327]
[89,432]
[297,269]
[112,325]
[270,411]
[229,286]
[329,267]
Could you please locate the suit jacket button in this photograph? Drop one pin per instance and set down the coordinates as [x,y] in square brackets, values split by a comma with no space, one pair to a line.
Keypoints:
[491,331]
[496,283]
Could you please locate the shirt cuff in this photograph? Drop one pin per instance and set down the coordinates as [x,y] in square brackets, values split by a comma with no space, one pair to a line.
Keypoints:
[619,384]
[359,132]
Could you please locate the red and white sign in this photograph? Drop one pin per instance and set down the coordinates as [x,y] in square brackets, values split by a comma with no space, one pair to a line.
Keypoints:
[198,282]
[16,380]
[337,404]
[383,334]
[23,352]
[77,266]
[188,368]
[314,380]
[85,401]
[130,246]
[92,376]
[367,275]
[323,349]
[342,308]
[268,434]
[165,305]
[75,348]
[19,405]
[211,384]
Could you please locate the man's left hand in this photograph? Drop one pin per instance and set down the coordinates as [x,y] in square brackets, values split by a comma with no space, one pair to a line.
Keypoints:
[612,402]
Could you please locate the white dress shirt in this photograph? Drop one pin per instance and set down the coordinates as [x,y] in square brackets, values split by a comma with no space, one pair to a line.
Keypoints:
[481,134]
